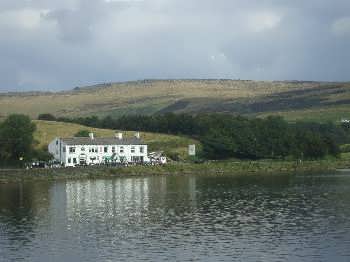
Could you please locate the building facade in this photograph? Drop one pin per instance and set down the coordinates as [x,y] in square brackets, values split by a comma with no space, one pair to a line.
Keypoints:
[75,151]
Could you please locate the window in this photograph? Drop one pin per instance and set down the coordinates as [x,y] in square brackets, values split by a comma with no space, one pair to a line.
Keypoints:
[83,149]
[105,149]
[69,160]
[113,149]
[121,150]
[56,142]
[132,149]
[93,149]
[71,149]
[74,160]
[142,149]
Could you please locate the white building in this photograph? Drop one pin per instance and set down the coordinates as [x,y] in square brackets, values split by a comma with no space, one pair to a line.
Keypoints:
[94,150]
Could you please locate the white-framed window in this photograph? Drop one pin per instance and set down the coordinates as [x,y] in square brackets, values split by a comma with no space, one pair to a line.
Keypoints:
[142,149]
[71,149]
[83,149]
[121,149]
[74,160]
[132,149]
[105,149]
[93,149]
[113,149]
[69,160]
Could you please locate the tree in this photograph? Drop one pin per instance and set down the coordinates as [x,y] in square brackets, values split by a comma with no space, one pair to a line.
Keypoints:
[217,145]
[82,133]
[47,117]
[225,136]
[16,138]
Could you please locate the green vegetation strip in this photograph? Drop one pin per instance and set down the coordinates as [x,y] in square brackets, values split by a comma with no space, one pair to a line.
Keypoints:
[207,168]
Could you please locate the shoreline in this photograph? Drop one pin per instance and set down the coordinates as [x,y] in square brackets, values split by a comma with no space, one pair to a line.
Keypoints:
[207,168]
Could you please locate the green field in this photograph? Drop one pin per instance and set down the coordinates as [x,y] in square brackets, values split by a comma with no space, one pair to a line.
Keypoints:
[171,145]
[313,101]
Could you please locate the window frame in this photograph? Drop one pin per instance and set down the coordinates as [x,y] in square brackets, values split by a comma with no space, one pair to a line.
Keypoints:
[72,149]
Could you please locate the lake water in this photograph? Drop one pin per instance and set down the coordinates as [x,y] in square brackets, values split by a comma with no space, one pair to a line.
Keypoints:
[179,218]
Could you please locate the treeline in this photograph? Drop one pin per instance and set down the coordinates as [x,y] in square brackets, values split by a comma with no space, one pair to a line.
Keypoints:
[225,136]
[17,144]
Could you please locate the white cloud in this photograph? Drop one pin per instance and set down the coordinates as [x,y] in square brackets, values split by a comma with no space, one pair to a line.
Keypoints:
[341,26]
[25,18]
[261,21]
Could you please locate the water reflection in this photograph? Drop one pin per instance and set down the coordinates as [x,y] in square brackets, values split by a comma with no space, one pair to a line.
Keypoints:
[272,218]
[108,198]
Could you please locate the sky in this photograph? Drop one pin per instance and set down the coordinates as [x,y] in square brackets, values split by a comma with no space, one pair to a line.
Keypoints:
[60,44]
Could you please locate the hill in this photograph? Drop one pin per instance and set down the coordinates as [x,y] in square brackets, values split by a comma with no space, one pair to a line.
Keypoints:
[174,146]
[320,101]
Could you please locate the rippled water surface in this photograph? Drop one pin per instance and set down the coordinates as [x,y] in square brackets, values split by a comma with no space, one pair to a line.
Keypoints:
[183,218]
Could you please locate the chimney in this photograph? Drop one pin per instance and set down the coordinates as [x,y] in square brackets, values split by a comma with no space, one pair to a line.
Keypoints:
[91,135]
[137,135]
[119,136]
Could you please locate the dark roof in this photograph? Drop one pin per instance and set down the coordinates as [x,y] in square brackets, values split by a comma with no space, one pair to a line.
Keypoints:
[102,141]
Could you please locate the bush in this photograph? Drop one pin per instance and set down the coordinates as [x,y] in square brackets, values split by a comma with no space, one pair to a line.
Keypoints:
[82,133]
[47,117]
[345,148]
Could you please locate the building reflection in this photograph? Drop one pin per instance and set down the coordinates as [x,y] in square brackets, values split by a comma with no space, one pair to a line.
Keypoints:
[131,198]
[106,197]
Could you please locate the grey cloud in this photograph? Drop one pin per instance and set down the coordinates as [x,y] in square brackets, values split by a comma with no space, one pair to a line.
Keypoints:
[59,44]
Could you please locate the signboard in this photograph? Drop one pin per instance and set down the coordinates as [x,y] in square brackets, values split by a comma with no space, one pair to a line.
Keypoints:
[192,150]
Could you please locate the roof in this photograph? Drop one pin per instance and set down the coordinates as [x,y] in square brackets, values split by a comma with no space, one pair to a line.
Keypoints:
[102,141]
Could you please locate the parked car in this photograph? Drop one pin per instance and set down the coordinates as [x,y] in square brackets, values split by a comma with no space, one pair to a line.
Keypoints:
[54,164]
[38,164]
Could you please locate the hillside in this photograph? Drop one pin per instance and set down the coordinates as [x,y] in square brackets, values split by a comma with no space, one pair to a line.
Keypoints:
[172,145]
[294,100]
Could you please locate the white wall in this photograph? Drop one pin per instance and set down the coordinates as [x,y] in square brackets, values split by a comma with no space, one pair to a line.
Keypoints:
[56,148]
[73,158]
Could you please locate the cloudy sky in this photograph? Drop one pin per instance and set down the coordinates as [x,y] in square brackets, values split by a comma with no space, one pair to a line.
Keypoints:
[60,44]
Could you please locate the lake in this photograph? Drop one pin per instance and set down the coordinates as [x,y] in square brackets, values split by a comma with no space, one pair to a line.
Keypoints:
[178,218]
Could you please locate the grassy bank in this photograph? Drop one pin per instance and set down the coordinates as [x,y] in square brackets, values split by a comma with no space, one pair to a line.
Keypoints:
[207,168]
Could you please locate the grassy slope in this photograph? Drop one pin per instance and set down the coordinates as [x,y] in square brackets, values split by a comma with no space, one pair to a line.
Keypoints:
[47,131]
[294,100]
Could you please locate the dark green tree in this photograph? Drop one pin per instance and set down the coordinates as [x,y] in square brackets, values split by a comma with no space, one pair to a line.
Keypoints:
[16,138]
[47,117]
[82,133]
